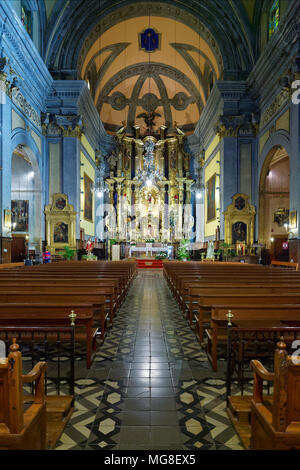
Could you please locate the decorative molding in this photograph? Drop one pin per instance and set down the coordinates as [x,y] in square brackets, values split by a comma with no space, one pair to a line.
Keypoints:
[26,108]
[142,9]
[274,107]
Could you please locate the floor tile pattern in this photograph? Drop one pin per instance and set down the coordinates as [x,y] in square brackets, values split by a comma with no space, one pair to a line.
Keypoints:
[150,386]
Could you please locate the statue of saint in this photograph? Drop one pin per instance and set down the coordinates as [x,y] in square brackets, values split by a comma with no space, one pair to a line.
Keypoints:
[112,160]
[210,250]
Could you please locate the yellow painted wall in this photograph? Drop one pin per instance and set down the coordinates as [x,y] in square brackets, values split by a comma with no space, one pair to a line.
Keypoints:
[86,167]
[212,168]
[88,147]
[211,147]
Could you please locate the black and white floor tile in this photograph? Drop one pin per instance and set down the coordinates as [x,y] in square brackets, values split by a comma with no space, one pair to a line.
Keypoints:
[150,386]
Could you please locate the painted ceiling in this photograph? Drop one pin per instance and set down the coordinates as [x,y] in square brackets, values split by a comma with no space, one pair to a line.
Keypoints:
[172,80]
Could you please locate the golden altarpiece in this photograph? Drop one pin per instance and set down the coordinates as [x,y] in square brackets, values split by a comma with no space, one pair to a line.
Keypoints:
[239,223]
[60,224]
[149,188]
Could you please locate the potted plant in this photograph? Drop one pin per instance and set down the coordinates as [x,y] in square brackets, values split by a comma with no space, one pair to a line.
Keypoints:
[161,255]
[183,252]
[68,254]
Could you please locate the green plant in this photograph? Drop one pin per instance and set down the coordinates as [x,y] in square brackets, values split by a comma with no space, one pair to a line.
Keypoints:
[183,252]
[68,254]
[88,257]
[161,255]
[113,241]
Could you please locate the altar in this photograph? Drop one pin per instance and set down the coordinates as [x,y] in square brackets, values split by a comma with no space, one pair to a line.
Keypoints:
[148,249]
[149,190]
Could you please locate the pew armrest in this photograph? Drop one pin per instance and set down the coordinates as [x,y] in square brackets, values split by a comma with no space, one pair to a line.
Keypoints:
[261,371]
[35,373]
[260,374]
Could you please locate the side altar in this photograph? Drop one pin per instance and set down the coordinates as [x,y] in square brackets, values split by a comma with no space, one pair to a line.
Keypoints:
[149,188]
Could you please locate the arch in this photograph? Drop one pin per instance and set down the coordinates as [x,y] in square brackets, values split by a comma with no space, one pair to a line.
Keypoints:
[221,26]
[273,156]
[29,147]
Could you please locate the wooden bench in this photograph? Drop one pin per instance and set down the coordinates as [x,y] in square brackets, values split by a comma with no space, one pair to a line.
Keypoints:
[54,314]
[269,422]
[21,429]
[255,314]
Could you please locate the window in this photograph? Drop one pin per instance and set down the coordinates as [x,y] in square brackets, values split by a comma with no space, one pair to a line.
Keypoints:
[274,17]
[26,18]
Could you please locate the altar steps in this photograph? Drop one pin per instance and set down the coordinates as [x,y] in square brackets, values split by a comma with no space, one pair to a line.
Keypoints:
[149,263]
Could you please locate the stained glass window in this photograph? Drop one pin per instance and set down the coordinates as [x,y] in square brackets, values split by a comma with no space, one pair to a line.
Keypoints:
[274,17]
[26,18]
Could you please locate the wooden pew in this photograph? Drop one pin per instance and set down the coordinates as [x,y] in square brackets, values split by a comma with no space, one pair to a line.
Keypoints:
[245,315]
[54,314]
[277,428]
[19,429]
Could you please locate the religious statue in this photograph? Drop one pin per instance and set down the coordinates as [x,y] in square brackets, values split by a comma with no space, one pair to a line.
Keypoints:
[112,160]
[89,247]
[149,119]
[127,159]
[210,250]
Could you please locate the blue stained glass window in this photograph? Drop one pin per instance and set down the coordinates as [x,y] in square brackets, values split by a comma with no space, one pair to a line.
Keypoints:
[274,17]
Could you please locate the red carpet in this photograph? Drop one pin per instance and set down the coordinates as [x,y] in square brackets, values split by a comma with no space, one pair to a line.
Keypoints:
[149,263]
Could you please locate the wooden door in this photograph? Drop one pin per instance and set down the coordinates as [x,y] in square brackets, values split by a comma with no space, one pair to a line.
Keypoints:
[18,249]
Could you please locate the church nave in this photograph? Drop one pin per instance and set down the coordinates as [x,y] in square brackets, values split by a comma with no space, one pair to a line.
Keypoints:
[151,386]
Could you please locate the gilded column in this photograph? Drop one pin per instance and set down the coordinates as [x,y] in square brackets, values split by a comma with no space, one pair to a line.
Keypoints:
[180,207]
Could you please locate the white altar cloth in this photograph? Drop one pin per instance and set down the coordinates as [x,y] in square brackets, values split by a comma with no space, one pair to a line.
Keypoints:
[148,249]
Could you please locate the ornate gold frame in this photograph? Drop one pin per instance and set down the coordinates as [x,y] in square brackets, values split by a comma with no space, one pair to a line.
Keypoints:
[86,177]
[245,215]
[215,215]
[67,215]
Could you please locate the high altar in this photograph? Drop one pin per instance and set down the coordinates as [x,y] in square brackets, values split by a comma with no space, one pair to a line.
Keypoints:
[149,188]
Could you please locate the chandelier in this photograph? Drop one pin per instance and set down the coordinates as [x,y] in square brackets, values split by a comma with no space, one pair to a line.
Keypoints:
[100,187]
[149,175]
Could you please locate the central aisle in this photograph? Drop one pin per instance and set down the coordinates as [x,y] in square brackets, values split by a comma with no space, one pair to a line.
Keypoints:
[150,386]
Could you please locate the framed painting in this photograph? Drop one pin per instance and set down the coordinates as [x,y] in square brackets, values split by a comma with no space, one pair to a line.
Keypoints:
[293,219]
[211,198]
[88,198]
[60,233]
[19,215]
[7,218]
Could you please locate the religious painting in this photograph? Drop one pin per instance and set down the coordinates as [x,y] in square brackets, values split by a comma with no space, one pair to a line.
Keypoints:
[7,218]
[211,198]
[88,198]
[293,219]
[19,215]
[239,232]
[60,233]
[60,203]
[240,203]
[281,217]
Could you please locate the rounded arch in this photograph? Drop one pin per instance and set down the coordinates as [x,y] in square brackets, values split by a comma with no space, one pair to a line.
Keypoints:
[225,28]
[274,194]
[23,145]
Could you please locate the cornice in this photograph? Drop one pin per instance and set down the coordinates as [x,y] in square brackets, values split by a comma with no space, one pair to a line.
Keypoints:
[26,61]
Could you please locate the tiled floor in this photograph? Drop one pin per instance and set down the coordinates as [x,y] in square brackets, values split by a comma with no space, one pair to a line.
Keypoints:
[150,386]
